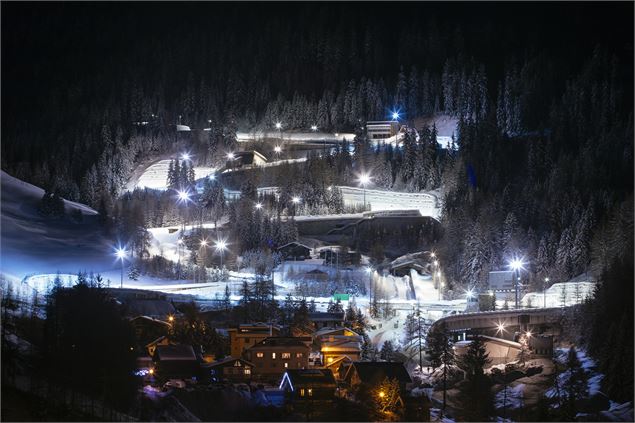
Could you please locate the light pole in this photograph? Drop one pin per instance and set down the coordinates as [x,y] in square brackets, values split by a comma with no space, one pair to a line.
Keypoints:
[295,201]
[544,293]
[179,244]
[184,197]
[121,255]
[203,256]
[369,272]
[364,179]
[516,264]
[395,117]
[221,246]
[279,128]
[230,158]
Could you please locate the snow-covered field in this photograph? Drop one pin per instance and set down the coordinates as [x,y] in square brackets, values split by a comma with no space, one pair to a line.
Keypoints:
[32,243]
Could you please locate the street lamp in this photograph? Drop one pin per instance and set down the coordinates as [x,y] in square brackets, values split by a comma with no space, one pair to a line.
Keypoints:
[516,264]
[364,179]
[279,128]
[204,250]
[295,201]
[185,157]
[121,254]
[179,243]
[221,246]
[184,196]
[314,128]
[230,158]
[369,272]
[544,293]
[277,149]
[500,328]
[258,206]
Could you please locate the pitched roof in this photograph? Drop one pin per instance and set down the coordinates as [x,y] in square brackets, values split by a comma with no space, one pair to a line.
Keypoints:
[178,352]
[149,320]
[228,360]
[321,316]
[330,331]
[141,307]
[280,341]
[294,243]
[313,377]
[374,372]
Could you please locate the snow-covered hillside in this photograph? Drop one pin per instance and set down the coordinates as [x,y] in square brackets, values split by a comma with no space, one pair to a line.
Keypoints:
[32,243]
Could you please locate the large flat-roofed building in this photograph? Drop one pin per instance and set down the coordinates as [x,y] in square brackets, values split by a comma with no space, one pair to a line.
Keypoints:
[501,281]
[381,129]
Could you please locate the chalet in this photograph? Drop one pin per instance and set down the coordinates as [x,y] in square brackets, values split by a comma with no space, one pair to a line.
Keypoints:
[336,256]
[339,366]
[230,369]
[152,308]
[151,347]
[372,373]
[147,329]
[176,361]
[335,344]
[247,335]
[295,251]
[302,385]
[321,320]
[275,355]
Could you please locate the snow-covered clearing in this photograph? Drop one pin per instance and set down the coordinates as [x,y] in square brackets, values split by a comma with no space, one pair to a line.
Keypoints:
[32,243]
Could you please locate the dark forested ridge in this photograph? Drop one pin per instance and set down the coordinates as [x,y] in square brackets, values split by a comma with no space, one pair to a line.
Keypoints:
[76,76]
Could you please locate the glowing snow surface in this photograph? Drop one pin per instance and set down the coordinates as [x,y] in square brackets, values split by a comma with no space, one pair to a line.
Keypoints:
[33,244]
[155,176]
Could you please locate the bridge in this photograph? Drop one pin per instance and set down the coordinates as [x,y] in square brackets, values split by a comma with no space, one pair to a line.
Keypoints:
[503,323]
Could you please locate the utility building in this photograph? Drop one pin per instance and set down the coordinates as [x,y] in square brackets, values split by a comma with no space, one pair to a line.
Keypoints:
[377,130]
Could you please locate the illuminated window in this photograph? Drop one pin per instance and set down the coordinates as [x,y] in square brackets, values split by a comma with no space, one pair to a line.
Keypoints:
[286,365]
[298,355]
[247,371]
[273,356]
[286,355]
[310,392]
[260,355]
[330,359]
[302,392]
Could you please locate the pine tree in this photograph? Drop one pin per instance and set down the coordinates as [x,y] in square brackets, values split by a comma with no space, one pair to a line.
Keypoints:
[475,396]
[441,353]
[387,351]
[575,387]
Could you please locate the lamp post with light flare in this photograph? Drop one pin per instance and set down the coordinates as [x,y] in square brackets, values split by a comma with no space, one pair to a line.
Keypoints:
[364,179]
[121,254]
